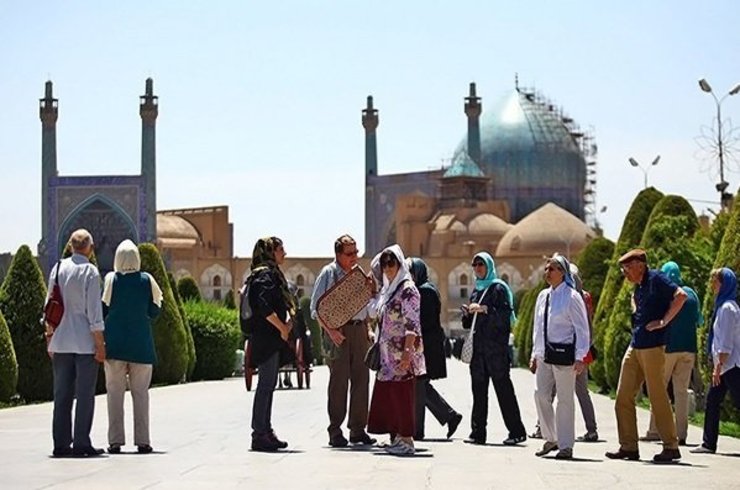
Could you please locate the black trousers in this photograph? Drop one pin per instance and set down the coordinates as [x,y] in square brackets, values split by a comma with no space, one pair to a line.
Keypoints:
[428,397]
[480,374]
[730,381]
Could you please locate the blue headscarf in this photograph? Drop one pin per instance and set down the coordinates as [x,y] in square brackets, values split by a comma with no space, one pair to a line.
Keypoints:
[565,267]
[490,278]
[673,271]
[727,292]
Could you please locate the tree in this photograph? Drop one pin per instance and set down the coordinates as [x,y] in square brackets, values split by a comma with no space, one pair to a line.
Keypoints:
[217,334]
[192,357]
[313,327]
[629,238]
[8,363]
[229,301]
[170,337]
[22,298]
[593,264]
[525,324]
[188,289]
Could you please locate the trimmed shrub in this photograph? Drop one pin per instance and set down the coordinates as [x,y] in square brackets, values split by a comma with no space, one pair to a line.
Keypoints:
[525,324]
[216,334]
[229,301]
[8,363]
[314,327]
[188,331]
[22,298]
[593,264]
[170,338]
[518,298]
[630,237]
[188,289]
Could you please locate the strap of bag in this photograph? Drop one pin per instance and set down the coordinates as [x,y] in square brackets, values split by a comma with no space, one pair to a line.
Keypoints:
[56,273]
[475,315]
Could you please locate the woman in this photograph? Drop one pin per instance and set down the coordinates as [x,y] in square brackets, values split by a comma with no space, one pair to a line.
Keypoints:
[560,320]
[131,300]
[724,347]
[401,355]
[272,304]
[434,355]
[492,306]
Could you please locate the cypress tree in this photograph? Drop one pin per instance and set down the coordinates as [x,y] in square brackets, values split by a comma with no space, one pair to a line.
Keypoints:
[192,357]
[170,337]
[593,264]
[629,238]
[8,363]
[229,301]
[22,298]
[525,324]
[188,289]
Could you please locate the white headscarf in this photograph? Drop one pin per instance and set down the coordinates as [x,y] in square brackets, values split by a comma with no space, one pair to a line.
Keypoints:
[128,260]
[403,275]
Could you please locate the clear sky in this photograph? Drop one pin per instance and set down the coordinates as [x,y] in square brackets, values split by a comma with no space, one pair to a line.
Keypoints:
[260,101]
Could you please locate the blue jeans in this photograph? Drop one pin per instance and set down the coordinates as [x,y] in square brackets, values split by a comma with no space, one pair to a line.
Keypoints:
[730,381]
[75,377]
[267,376]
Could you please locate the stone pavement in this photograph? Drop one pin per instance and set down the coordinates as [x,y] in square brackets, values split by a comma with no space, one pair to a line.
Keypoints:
[201,434]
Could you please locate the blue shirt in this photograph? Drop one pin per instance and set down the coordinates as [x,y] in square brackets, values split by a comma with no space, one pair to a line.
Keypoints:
[682,333]
[79,282]
[652,299]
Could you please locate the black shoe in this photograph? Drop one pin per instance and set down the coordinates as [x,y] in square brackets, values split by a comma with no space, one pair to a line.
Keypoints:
[361,439]
[667,456]
[477,438]
[682,442]
[622,454]
[114,449]
[589,437]
[144,449]
[86,452]
[280,444]
[513,441]
[264,443]
[338,441]
[453,423]
[62,452]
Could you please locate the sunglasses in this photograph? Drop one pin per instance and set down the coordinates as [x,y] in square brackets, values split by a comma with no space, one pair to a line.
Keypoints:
[478,263]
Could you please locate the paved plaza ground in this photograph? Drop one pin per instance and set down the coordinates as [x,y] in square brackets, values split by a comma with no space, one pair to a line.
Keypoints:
[200,432]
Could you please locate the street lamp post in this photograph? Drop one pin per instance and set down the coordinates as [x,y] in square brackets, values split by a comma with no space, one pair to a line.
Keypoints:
[723,184]
[645,170]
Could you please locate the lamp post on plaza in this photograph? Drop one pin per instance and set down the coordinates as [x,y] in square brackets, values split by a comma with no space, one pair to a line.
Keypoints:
[645,170]
[723,184]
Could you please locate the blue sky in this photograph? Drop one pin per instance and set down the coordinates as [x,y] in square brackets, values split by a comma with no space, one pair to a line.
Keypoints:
[260,101]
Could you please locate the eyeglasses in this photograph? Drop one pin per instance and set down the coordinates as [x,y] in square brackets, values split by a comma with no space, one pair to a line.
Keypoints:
[478,263]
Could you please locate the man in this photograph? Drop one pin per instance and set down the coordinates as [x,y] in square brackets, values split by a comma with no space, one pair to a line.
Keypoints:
[655,302]
[680,354]
[76,347]
[349,344]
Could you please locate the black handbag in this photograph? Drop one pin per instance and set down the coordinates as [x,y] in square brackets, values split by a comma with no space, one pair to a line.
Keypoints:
[558,354]
[372,357]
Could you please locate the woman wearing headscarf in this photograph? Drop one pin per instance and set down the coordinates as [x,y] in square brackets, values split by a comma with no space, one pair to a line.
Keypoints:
[560,324]
[401,355]
[273,306]
[723,346]
[131,300]
[680,355]
[492,306]
[434,354]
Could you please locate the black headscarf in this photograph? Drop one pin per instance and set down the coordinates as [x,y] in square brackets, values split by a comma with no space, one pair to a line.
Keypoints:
[420,273]
[263,258]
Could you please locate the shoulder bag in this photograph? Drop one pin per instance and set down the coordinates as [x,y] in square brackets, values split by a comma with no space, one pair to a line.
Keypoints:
[54,307]
[467,349]
[555,353]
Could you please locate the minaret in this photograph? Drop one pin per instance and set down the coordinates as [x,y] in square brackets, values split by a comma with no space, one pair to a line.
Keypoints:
[149,109]
[473,109]
[49,113]
[370,123]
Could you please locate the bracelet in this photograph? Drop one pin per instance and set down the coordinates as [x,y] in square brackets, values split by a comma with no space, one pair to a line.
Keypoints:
[408,349]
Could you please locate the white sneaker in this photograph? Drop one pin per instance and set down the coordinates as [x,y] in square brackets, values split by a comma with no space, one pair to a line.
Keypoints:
[402,449]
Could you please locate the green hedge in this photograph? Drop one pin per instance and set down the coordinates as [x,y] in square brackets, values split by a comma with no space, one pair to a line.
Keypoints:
[525,323]
[229,301]
[188,289]
[314,328]
[8,363]
[593,264]
[22,298]
[630,237]
[191,344]
[216,334]
[170,337]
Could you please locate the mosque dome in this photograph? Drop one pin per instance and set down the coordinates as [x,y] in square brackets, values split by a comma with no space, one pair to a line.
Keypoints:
[176,232]
[488,224]
[532,152]
[547,230]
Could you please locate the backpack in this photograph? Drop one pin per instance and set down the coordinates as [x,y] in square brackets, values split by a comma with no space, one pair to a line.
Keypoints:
[245,308]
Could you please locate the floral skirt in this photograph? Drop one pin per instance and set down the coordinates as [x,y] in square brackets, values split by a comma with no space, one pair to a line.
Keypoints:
[392,408]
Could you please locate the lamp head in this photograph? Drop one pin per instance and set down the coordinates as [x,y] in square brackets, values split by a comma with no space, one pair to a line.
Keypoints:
[705,85]
[633,162]
[657,159]
[735,90]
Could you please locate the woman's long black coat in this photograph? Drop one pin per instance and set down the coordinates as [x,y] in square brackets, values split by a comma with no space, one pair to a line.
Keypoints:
[432,333]
[491,338]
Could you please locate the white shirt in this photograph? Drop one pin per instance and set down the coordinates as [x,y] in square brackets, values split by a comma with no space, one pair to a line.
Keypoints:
[726,330]
[566,316]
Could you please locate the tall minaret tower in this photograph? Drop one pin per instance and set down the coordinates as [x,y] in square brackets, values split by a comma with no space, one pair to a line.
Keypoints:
[473,109]
[370,123]
[49,113]
[149,109]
